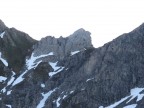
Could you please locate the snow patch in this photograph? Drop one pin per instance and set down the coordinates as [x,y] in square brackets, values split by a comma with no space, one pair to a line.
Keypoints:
[12,79]
[9,106]
[9,92]
[57,102]
[89,79]
[56,69]
[65,96]
[74,52]
[53,65]
[2,34]
[136,93]
[3,60]
[3,90]
[51,53]
[59,98]
[45,97]
[9,82]
[71,92]
[19,79]
[42,85]
[101,107]
[30,63]
[131,106]
[2,78]
[117,103]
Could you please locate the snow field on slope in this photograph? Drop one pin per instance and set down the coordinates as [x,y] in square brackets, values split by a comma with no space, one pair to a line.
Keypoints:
[30,64]
[3,60]
[135,92]
[56,69]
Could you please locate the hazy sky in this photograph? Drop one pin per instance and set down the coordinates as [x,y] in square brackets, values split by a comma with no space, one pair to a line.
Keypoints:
[105,19]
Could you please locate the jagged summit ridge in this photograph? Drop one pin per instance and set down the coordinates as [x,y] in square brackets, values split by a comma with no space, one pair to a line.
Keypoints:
[78,41]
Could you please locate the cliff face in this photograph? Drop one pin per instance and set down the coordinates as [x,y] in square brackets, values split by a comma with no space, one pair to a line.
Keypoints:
[70,73]
[61,47]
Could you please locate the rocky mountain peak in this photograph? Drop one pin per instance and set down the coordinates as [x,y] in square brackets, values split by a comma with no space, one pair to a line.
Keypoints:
[80,35]
[2,26]
[80,31]
[78,41]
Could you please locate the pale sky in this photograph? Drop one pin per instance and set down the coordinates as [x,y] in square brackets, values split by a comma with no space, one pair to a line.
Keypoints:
[105,19]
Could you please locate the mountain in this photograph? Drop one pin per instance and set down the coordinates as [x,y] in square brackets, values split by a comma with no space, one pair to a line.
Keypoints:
[69,72]
[14,46]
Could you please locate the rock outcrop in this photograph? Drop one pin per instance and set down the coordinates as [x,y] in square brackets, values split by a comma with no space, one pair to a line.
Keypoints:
[61,47]
[14,46]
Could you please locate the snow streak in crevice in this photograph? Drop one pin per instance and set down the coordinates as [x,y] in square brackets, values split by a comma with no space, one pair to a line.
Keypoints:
[45,97]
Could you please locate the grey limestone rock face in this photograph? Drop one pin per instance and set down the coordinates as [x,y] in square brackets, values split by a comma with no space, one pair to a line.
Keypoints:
[80,39]
[61,47]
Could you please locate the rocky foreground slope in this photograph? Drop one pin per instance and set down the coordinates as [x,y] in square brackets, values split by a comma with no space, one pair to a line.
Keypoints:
[69,72]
